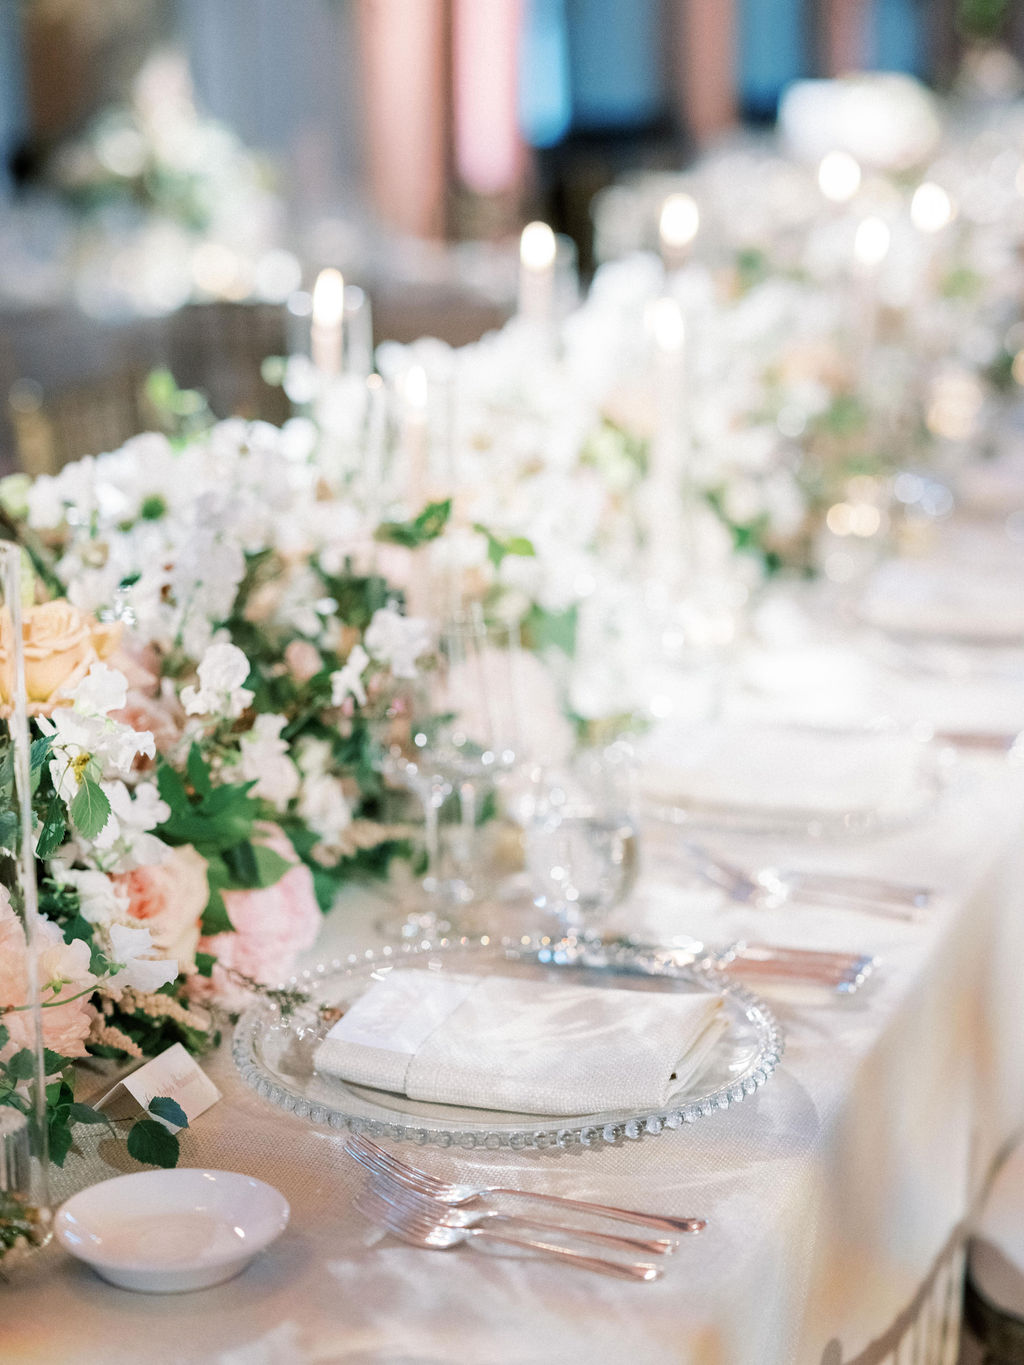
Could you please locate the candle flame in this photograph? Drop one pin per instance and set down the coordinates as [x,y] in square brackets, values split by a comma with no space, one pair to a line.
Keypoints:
[666,325]
[679,222]
[931,208]
[839,177]
[328,298]
[871,244]
[537,247]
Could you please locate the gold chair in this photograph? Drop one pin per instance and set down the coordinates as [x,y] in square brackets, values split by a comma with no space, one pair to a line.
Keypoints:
[53,428]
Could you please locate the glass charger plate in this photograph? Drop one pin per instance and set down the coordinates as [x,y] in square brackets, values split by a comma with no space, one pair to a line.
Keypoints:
[273,1050]
[913,799]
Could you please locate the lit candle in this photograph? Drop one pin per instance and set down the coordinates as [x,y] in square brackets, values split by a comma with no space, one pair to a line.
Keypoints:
[328,312]
[677,229]
[666,514]
[870,248]
[537,252]
[839,177]
[416,436]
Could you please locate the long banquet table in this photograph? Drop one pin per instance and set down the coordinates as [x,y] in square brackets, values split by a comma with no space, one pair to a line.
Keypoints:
[837,1196]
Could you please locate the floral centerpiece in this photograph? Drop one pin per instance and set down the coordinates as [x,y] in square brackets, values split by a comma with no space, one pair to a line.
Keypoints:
[207,643]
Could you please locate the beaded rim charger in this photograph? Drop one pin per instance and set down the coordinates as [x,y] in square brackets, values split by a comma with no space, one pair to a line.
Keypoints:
[274,1045]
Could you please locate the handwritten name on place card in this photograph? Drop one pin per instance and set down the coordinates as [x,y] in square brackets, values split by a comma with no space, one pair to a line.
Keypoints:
[173,1073]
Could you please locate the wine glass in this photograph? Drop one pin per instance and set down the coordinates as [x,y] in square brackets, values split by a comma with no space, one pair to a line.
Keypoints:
[458,739]
[580,839]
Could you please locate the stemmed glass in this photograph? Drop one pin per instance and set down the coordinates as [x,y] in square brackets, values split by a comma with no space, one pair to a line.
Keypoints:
[581,838]
[24,1192]
[458,737]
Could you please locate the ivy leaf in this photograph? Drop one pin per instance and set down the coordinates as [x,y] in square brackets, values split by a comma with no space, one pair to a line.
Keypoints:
[89,809]
[55,827]
[150,1143]
[426,527]
[163,1107]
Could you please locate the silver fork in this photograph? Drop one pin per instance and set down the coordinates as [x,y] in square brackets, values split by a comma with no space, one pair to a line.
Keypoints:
[458,1216]
[769,887]
[375,1158]
[426,1232]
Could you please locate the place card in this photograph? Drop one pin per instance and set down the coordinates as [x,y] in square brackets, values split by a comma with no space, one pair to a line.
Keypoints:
[174,1074]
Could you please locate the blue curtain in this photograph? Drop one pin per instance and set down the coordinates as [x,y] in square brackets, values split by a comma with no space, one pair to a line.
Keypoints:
[773,50]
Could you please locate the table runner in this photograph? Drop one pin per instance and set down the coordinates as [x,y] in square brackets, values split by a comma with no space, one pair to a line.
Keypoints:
[832,1194]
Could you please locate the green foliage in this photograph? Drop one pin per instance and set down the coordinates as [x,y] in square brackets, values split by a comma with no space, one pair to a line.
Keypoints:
[89,809]
[150,1143]
[169,1110]
[498,550]
[422,529]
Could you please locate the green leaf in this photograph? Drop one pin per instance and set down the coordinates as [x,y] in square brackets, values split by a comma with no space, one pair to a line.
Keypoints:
[8,830]
[58,1137]
[151,1144]
[5,1034]
[22,1065]
[198,771]
[205,963]
[498,550]
[215,916]
[172,788]
[55,828]
[270,866]
[166,1108]
[39,752]
[89,809]
[85,1113]
[426,527]
[54,1062]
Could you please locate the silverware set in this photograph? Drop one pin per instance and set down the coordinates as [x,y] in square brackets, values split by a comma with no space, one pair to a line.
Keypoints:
[767,888]
[424,1211]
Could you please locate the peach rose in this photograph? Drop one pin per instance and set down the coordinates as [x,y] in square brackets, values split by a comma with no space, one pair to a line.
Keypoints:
[168,899]
[303,660]
[61,644]
[65,1026]
[272,926]
[162,716]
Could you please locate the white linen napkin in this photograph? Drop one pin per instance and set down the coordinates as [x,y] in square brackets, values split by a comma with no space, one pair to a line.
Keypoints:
[522,1046]
[778,768]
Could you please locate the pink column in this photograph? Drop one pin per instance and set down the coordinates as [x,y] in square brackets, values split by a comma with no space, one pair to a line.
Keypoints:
[844,33]
[403,49]
[489,154]
[704,40]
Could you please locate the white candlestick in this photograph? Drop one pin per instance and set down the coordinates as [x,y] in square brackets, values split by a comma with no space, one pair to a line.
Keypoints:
[870,248]
[537,252]
[677,229]
[328,313]
[416,436]
[666,513]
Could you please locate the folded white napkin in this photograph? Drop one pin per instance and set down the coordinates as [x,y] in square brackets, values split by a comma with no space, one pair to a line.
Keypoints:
[739,766]
[946,599]
[522,1046]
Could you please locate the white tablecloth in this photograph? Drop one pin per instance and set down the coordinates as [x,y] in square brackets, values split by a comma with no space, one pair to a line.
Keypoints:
[831,1195]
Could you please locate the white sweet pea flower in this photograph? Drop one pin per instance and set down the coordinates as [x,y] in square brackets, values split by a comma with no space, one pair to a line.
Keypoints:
[223,670]
[99,901]
[126,832]
[397,640]
[348,680]
[324,807]
[265,761]
[84,731]
[129,949]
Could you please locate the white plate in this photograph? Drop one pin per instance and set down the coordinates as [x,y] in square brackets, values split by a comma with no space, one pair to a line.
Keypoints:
[165,1232]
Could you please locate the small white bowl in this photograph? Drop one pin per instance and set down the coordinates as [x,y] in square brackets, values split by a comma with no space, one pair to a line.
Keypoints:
[165,1232]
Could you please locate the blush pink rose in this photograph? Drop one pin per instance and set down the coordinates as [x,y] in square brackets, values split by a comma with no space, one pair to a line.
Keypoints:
[65,1026]
[272,927]
[168,899]
[303,660]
